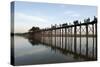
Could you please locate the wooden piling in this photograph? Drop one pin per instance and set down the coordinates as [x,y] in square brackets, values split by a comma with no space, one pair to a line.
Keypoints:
[65,38]
[96,40]
[55,35]
[80,38]
[51,35]
[71,39]
[68,39]
[75,41]
[93,40]
[62,37]
[86,39]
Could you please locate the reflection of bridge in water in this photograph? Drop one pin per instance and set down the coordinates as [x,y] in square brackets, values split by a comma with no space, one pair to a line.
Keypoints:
[69,38]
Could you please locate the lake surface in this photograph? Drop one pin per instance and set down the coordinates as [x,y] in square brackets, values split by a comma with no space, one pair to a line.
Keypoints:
[29,52]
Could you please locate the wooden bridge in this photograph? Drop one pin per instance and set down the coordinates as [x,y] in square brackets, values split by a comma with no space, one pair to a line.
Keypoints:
[62,36]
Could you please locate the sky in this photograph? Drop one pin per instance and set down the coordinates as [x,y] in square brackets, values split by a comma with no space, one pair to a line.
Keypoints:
[29,14]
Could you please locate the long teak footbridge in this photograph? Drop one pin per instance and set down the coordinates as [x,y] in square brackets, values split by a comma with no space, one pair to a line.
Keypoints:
[69,37]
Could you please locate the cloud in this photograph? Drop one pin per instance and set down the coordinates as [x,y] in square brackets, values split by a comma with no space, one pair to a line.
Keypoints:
[68,12]
[23,22]
[76,15]
[22,16]
[62,6]
[72,13]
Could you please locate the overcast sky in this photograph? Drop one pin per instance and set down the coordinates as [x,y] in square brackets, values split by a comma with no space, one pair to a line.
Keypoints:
[28,14]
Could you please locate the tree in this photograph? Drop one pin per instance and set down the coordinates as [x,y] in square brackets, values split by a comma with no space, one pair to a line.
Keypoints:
[34,29]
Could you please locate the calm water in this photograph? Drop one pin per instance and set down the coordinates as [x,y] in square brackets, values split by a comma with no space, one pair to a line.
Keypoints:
[31,52]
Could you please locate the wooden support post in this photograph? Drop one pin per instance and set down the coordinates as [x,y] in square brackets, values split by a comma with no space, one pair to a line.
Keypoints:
[43,35]
[56,38]
[55,35]
[75,41]
[62,37]
[51,36]
[96,39]
[48,37]
[80,38]
[71,39]
[68,38]
[65,38]
[93,40]
[86,39]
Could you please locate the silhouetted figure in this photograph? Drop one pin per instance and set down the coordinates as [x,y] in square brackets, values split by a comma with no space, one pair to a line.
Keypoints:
[65,24]
[53,27]
[60,25]
[70,24]
[95,19]
[76,22]
[87,20]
